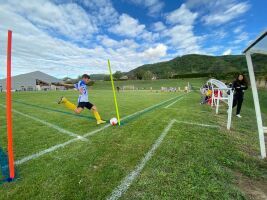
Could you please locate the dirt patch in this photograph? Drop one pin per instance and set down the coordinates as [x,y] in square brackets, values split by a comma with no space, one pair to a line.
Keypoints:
[253,189]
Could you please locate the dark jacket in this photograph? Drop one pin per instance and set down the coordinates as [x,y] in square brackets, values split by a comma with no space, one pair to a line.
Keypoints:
[239,87]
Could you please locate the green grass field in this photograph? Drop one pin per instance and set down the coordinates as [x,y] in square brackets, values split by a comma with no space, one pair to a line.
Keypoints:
[147,84]
[194,161]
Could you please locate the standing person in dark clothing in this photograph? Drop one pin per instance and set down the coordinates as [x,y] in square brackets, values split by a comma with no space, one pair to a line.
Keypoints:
[239,86]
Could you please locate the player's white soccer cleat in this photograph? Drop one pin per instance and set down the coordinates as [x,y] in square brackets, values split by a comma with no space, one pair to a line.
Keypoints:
[239,116]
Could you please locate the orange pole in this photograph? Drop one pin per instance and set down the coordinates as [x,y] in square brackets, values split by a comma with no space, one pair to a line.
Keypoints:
[9,109]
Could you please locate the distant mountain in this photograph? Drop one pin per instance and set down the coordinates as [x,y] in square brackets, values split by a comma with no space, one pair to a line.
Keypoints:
[97,76]
[194,65]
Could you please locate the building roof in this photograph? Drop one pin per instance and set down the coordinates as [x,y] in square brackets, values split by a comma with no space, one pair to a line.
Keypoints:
[34,76]
[28,80]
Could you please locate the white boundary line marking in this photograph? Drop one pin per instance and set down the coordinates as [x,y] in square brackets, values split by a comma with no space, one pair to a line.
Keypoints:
[197,124]
[91,133]
[173,102]
[128,180]
[61,130]
[151,107]
[181,97]
[53,148]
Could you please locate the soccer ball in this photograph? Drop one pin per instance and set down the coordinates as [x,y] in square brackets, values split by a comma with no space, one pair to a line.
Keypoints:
[113,121]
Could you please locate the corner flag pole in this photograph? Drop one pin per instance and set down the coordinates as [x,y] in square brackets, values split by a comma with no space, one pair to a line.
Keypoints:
[114,93]
[9,109]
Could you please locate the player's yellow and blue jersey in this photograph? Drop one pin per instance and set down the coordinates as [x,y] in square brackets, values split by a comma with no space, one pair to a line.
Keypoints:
[84,96]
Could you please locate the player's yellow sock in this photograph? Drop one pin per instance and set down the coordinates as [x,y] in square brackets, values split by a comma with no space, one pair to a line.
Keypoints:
[68,104]
[97,116]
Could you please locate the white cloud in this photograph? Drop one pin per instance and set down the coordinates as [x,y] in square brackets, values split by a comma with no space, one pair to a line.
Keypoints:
[157,52]
[219,34]
[34,49]
[69,20]
[217,12]
[158,26]
[238,29]
[225,13]
[128,26]
[107,42]
[227,52]
[182,15]
[182,38]
[200,3]
[180,35]
[149,36]
[111,43]
[154,6]
[103,11]
[63,38]
[241,37]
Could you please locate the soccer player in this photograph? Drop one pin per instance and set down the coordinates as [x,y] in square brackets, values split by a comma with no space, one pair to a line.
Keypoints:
[83,101]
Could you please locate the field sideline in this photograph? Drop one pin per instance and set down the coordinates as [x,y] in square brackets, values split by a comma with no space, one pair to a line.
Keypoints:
[168,147]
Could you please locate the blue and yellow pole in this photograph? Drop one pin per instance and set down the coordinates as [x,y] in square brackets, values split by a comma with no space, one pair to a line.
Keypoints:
[114,93]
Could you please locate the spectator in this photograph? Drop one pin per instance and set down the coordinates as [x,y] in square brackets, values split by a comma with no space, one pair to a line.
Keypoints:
[239,86]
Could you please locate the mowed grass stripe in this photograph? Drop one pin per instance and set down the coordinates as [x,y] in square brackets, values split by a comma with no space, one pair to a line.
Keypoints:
[175,101]
[91,133]
[128,180]
[128,103]
[61,130]
[54,110]
[191,162]
[77,125]
[30,136]
[151,108]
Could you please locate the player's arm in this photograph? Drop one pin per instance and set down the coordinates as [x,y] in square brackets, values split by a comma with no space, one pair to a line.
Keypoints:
[244,87]
[78,87]
[81,90]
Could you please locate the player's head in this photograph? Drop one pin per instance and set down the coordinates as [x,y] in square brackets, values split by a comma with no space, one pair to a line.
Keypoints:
[86,78]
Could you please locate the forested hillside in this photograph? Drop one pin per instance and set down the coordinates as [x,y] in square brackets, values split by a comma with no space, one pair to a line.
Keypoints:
[195,65]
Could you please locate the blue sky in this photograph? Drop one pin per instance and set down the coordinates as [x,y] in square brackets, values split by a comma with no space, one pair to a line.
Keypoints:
[72,37]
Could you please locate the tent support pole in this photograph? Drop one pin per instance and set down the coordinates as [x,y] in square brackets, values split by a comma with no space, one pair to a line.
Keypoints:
[256,104]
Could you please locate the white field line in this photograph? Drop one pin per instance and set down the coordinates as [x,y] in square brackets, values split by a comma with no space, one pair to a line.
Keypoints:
[172,108]
[198,124]
[127,181]
[181,97]
[173,102]
[33,156]
[61,130]
[91,133]
[53,148]
[151,107]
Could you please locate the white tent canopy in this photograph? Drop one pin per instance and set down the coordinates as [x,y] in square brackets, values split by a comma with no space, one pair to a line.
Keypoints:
[258,46]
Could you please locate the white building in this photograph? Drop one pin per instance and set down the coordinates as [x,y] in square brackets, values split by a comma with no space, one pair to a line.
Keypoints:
[33,81]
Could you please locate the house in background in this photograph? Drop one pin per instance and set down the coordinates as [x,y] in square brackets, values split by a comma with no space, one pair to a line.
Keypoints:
[33,81]
[124,78]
